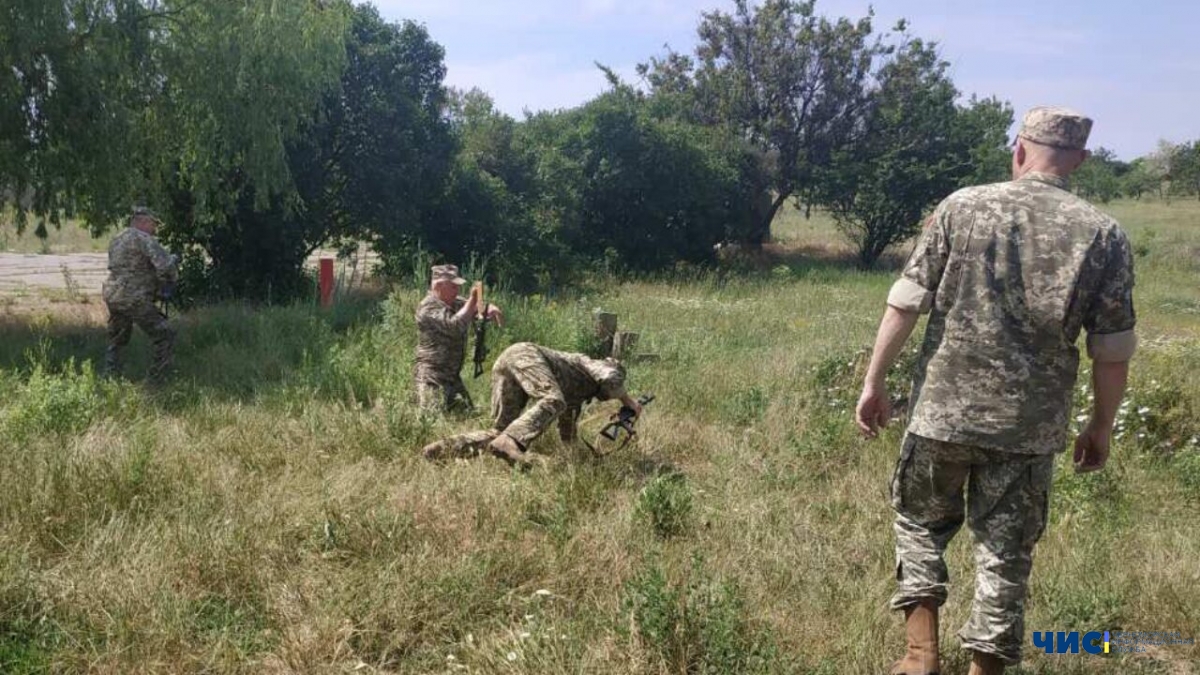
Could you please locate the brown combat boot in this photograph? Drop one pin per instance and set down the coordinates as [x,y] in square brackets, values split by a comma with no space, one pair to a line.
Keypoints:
[921,621]
[504,447]
[433,451]
[986,664]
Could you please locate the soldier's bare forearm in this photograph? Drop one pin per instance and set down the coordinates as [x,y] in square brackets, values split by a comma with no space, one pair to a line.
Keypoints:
[469,309]
[1108,387]
[894,330]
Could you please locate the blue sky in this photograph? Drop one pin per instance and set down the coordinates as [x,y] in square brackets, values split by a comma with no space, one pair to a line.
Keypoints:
[1133,67]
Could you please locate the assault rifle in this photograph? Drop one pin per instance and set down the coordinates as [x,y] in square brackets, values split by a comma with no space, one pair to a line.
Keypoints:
[167,292]
[624,421]
[481,319]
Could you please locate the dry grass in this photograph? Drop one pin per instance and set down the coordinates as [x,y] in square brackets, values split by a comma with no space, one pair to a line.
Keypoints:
[268,512]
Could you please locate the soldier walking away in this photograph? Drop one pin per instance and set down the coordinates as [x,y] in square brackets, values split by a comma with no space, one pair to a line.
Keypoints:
[553,384]
[140,271]
[1010,273]
[443,321]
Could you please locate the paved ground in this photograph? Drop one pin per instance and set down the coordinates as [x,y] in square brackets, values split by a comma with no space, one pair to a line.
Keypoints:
[22,271]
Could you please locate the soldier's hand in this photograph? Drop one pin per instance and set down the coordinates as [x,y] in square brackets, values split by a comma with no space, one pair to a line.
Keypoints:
[1091,449]
[873,411]
[493,313]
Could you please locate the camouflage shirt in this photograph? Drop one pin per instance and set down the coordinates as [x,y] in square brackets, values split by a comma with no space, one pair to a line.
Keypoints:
[138,268]
[581,378]
[1012,272]
[441,340]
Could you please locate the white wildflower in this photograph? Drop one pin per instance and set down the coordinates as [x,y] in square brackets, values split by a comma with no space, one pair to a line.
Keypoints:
[1143,410]
[512,656]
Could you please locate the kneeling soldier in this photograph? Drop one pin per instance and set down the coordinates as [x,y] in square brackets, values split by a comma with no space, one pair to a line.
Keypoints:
[557,383]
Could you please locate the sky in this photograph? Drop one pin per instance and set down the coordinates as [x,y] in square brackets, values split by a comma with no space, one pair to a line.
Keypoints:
[1134,67]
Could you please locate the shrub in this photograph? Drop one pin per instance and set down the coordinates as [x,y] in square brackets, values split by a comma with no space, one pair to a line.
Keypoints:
[698,626]
[666,504]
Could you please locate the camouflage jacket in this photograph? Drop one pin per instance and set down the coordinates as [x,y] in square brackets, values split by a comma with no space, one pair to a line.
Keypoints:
[138,268]
[1012,272]
[441,340]
[582,379]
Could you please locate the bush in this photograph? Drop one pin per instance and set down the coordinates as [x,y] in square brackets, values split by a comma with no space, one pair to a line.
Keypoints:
[699,626]
[630,192]
[666,504]
[60,403]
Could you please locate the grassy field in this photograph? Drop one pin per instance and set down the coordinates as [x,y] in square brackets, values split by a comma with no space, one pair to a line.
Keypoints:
[269,512]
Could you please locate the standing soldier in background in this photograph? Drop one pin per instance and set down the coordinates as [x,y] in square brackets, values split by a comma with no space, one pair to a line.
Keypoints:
[140,271]
[443,320]
[1011,272]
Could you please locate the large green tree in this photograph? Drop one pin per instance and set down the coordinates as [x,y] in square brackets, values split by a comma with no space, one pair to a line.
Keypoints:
[368,165]
[1099,177]
[108,102]
[917,145]
[776,73]
[619,186]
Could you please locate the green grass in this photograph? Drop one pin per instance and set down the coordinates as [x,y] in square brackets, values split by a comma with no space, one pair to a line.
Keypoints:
[269,512]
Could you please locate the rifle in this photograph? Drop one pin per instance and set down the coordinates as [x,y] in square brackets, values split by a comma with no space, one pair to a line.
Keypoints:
[167,291]
[164,300]
[481,350]
[624,420]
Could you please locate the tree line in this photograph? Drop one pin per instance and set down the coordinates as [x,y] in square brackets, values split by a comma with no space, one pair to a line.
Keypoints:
[1173,169]
[264,130]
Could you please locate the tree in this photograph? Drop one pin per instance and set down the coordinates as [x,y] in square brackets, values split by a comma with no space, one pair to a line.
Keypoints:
[789,81]
[108,103]
[620,187]
[917,146]
[1139,180]
[982,125]
[369,166]
[1158,164]
[1099,176]
[1185,169]
[484,211]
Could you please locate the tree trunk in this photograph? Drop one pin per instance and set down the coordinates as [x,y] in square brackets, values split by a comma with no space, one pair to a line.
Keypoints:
[762,233]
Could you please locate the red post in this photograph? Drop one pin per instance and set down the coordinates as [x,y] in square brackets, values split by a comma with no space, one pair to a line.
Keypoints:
[325,281]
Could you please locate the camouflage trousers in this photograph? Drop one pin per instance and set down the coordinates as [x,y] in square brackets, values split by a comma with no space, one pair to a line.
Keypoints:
[441,393]
[519,376]
[122,317]
[1007,496]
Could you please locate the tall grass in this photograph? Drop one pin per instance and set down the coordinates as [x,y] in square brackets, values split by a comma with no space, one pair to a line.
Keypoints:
[269,512]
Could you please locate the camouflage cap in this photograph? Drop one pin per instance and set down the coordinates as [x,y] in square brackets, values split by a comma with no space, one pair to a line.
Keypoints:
[145,212]
[1061,128]
[447,273]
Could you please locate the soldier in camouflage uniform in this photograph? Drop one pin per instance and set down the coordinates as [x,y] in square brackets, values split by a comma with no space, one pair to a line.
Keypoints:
[443,321]
[139,272]
[1010,273]
[557,383]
